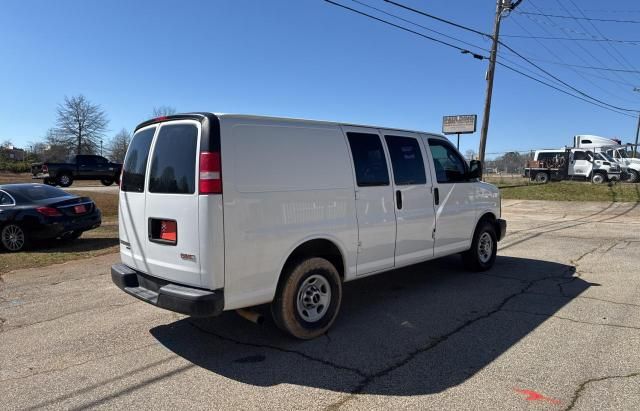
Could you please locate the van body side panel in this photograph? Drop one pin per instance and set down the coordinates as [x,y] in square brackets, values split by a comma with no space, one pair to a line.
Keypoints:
[284,182]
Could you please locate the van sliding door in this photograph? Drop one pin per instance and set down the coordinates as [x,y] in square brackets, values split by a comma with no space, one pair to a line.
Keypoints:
[375,210]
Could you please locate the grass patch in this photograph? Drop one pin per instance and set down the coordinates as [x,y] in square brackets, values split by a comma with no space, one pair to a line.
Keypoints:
[570,191]
[102,240]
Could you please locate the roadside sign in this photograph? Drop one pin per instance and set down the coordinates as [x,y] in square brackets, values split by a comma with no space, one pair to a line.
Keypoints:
[462,124]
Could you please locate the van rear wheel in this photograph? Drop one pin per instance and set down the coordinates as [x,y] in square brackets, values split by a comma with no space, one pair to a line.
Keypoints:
[484,247]
[308,299]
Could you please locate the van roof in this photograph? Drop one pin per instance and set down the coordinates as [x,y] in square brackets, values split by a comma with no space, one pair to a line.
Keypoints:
[290,119]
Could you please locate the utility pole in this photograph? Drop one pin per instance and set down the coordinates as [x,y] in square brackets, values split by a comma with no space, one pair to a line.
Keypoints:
[501,7]
[635,147]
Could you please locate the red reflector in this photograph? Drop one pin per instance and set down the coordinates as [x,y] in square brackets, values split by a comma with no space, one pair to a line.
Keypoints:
[49,211]
[161,118]
[80,209]
[210,181]
[169,230]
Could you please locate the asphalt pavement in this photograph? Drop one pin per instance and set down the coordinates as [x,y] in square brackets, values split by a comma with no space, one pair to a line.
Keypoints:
[554,325]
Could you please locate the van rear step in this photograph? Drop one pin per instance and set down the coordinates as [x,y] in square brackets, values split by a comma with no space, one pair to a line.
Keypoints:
[161,293]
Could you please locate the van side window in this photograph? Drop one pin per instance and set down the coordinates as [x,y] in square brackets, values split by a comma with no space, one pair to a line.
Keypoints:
[135,163]
[406,160]
[368,159]
[449,166]
[173,163]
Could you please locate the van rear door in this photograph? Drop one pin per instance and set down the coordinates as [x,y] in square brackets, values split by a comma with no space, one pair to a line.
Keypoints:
[131,210]
[171,206]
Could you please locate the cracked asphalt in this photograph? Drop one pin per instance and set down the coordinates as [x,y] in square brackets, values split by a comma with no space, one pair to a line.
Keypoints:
[554,325]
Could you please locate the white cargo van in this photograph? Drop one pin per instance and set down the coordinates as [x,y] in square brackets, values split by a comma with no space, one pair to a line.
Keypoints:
[222,212]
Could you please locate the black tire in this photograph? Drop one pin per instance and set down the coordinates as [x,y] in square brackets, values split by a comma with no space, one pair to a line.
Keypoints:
[297,302]
[478,258]
[542,177]
[14,238]
[632,176]
[598,178]
[74,235]
[106,182]
[50,182]
[65,180]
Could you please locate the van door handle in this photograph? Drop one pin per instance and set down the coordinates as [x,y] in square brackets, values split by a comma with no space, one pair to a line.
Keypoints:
[436,196]
[399,199]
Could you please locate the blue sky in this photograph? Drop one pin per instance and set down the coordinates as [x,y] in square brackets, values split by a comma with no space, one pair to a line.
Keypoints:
[307,59]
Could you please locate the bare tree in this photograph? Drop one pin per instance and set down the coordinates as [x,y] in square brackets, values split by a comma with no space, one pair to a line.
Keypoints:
[6,144]
[470,154]
[118,146]
[162,111]
[81,124]
[56,147]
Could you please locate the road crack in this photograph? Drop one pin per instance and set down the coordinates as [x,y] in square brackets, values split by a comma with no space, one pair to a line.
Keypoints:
[582,386]
[573,319]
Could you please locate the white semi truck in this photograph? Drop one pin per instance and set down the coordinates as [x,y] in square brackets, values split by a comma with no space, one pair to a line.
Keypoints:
[614,150]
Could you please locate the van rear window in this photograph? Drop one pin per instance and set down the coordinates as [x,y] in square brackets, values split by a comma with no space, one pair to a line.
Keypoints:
[173,163]
[135,163]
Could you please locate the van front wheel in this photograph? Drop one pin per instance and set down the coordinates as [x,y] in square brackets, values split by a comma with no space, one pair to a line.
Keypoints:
[308,299]
[484,247]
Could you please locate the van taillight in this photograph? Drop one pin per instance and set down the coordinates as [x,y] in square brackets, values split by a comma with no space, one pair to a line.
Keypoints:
[210,173]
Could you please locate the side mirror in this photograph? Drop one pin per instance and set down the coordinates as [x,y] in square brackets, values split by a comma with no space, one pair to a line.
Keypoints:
[475,170]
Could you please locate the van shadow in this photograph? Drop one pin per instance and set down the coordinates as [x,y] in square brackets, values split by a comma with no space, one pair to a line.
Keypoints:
[418,330]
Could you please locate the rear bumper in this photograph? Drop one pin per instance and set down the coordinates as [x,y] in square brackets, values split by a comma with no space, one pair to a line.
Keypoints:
[164,294]
[501,228]
[53,227]
[40,176]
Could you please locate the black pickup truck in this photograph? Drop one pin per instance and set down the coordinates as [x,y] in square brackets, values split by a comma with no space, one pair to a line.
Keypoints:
[80,167]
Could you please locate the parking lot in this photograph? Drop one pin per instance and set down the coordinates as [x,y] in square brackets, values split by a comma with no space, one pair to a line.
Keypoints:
[554,325]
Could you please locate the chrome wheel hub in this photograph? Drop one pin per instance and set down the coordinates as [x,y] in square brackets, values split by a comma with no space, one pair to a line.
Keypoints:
[485,247]
[314,298]
[12,237]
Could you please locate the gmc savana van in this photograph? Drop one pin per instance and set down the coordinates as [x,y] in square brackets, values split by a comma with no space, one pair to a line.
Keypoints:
[223,212]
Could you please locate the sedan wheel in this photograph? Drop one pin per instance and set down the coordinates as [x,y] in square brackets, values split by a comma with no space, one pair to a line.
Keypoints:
[13,237]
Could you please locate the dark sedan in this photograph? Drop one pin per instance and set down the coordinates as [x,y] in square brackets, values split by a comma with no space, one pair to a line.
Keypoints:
[41,212]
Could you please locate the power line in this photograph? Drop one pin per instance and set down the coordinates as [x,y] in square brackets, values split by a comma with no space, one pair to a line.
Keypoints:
[584,67]
[604,40]
[593,56]
[559,57]
[629,65]
[431,16]
[464,51]
[580,18]
[597,103]
[510,49]
[564,91]
[419,25]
